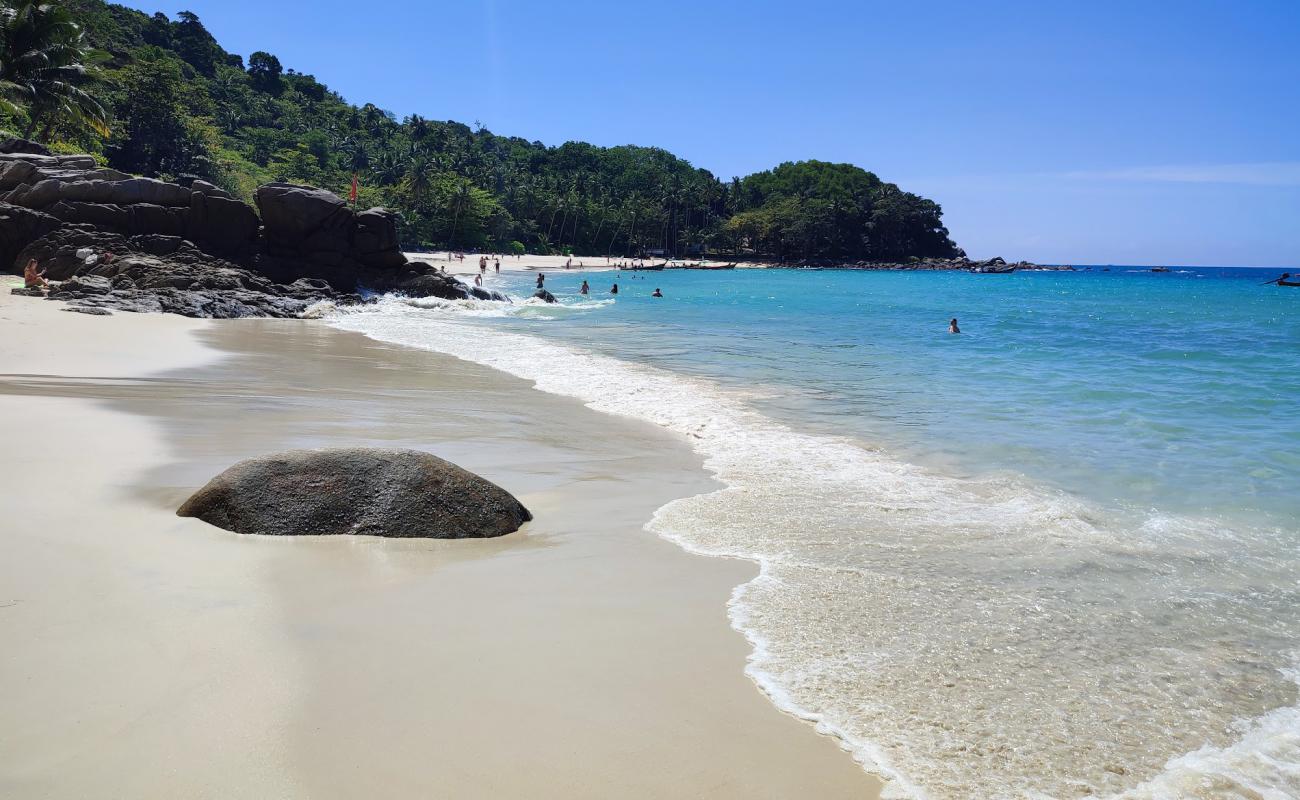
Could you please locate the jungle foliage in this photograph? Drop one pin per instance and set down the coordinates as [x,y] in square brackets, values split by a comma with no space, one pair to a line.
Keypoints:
[159,96]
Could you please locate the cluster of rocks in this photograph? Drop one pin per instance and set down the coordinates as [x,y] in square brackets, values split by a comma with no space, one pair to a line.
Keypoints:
[115,241]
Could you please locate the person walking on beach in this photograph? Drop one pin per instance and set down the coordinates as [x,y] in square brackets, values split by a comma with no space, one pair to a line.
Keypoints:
[34,278]
[540,280]
[952,326]
[584,288]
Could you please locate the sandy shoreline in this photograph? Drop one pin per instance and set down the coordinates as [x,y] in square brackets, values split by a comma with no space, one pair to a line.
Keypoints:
[153,656]
[534,263]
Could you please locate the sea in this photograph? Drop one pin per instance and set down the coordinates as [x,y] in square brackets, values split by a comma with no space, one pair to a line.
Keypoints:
[1056,555]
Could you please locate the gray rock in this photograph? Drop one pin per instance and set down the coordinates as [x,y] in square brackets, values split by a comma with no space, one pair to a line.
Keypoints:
[27,292]
[545,296]
[17,145]
[434,284]
[293,214]
[19,227]
[83,285]
[367,491]
[93,311]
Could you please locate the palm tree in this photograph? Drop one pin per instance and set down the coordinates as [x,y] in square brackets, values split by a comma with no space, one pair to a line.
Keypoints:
[460,200]
[419,177]
[42,55]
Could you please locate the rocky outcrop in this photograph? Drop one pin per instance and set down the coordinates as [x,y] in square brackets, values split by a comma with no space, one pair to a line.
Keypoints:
[367,491]
[14,144]
[544,296]
[191,248]
[311,232]
[18,227]
[75,190]
[164,274]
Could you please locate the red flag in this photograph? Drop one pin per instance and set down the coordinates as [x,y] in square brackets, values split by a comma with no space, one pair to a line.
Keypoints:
[352,196]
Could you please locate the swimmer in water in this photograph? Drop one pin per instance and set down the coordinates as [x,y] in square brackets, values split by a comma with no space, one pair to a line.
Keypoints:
[584,288]
[657,293]
[952,326]
[613,289]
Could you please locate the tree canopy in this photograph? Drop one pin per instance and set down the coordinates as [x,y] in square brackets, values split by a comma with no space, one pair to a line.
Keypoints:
[176,103]
[43,76]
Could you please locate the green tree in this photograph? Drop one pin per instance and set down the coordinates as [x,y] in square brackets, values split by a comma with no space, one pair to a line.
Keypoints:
[265,72]
[43,72]
[156,137]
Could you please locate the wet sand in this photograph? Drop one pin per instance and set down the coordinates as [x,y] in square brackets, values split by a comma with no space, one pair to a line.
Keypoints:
[148,656]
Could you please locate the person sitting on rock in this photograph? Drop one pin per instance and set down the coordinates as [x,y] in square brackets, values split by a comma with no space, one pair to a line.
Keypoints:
[34,278]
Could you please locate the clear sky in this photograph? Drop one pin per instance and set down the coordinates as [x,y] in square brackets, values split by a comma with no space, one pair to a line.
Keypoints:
[1076,132]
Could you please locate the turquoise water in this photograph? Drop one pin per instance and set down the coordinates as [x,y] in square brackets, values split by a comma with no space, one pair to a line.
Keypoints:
[1057,555]
[1173,390]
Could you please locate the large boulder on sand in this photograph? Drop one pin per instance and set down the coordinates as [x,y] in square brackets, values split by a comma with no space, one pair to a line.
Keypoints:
[368,491]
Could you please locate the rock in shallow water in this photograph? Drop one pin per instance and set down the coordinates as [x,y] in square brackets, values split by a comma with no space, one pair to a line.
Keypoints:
[366,491]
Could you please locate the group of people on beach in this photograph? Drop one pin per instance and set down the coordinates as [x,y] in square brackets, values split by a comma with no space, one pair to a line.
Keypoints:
[457,256]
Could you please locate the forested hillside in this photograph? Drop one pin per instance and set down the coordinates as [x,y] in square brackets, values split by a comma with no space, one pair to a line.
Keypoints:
[163,98]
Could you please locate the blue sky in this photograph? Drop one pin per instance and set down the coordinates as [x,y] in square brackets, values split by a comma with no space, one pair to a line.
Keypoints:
[1080,132]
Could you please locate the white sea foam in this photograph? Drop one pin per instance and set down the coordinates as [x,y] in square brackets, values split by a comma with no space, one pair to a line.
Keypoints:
[964,637]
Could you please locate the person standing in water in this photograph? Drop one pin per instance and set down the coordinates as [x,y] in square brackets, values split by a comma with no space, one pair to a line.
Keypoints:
[613,289]
[497,265]
[584,288]
[657,293]
[540,280]
[952,326]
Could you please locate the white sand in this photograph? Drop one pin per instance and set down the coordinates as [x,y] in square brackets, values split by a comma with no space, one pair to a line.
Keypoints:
[151,656]
[528,263]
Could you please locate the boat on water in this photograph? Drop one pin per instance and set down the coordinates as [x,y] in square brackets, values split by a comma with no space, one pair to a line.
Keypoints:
[650,268]
[707,266]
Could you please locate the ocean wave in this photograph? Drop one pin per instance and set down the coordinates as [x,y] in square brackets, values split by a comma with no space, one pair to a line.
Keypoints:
[963,636]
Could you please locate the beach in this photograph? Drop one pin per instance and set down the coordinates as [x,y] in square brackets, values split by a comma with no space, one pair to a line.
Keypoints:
[551,264]
[150,655]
